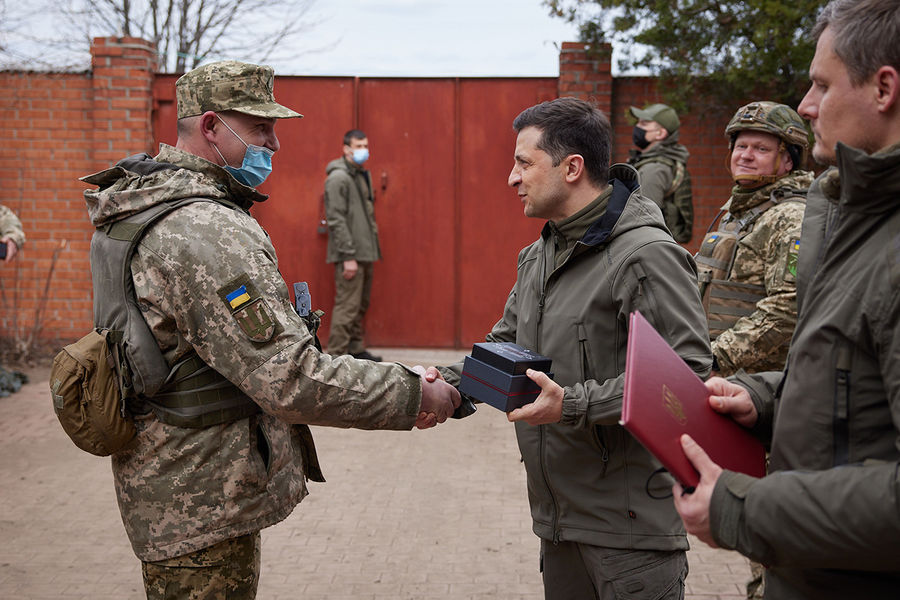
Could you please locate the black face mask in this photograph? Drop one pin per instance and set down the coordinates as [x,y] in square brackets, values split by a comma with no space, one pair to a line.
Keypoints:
[639,137]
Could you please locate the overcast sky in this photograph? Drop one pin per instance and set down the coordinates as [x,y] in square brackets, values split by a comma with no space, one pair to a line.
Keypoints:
[431,38]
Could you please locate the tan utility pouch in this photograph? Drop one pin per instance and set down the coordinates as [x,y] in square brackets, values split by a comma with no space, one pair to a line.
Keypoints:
[86,396]
[728,301]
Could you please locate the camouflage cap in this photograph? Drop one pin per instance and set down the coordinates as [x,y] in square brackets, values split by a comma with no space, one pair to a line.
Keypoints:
[660,113]
[230,85]
[779,120]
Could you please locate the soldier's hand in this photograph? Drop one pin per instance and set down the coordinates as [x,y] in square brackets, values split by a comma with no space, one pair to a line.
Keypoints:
[439,399]
[731,399]
[11,248]
[350,269]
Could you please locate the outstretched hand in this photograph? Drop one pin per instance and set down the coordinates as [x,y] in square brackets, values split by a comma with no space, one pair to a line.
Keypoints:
[546,408]
[439,398]
[694,507]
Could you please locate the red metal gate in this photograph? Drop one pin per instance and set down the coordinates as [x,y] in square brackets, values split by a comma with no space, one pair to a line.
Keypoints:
[450,227]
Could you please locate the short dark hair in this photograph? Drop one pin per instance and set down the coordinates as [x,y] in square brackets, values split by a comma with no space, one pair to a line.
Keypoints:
[571,126]
[353,134]
[866,34]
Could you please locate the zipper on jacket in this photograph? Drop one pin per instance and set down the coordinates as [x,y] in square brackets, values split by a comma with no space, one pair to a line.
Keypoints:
[544,473]
[841,418]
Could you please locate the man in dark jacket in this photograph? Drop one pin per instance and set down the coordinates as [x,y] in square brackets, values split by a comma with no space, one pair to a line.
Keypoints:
[606,527]
[352,244]
[661,162]
[826,521]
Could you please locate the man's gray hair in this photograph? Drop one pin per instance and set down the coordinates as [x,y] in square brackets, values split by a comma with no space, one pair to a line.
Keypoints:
[866,34]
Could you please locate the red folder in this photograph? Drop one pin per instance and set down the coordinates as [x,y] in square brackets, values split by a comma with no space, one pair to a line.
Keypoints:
[664,399]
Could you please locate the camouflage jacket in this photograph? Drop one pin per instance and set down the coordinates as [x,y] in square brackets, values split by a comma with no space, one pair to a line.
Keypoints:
[11,227]
[766,256]
[180,490]
[350,212]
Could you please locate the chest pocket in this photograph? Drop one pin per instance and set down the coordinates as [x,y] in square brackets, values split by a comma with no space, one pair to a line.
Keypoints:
[724,301]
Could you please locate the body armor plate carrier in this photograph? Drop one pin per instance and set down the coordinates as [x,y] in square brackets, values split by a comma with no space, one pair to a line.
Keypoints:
[187,394]
[724,301]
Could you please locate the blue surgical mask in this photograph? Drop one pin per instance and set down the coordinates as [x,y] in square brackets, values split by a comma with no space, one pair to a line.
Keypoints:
[257,163]
[360,155]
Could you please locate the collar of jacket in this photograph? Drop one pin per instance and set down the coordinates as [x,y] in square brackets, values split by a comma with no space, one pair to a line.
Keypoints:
[624,182]
[866,183]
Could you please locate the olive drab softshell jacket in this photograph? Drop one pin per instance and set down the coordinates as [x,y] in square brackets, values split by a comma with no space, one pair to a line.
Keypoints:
[826,522]
[350,212]
[180,489]
[588,479]
[657,171]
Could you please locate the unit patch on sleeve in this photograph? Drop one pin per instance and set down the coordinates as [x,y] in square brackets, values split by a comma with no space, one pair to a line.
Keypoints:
[249,310]
[791,263]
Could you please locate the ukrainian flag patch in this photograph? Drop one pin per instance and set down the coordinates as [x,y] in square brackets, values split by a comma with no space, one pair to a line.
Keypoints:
[249,310]
[238,297]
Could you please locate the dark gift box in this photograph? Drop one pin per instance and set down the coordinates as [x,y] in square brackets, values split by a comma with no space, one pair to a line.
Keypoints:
[495,374]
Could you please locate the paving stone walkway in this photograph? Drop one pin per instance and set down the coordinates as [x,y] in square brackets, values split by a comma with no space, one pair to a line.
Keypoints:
[436,514]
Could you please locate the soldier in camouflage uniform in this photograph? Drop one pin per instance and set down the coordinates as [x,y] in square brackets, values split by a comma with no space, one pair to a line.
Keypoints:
[193,499]
[11,233]
[748,267]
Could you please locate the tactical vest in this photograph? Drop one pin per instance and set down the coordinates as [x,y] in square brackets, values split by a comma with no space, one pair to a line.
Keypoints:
[724,301]
[187,394]
[678,203]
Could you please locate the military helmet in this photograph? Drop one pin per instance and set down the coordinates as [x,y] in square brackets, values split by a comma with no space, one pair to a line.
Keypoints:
[780,120]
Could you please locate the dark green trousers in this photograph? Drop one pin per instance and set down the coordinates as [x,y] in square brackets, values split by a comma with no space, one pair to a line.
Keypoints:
[351,301]
[228,570]
[572,570]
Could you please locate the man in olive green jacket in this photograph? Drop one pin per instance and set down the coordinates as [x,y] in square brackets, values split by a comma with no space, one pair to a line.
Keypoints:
[352,244]
[661,162]
[597,501]
[826,521]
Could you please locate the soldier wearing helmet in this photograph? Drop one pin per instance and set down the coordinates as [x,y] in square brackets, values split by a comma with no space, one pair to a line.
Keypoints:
[748,265]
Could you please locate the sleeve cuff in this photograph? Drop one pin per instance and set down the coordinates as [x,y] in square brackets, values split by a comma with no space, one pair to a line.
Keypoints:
[726,508]
[574,408]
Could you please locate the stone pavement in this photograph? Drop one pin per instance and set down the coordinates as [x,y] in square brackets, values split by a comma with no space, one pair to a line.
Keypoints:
[429,514]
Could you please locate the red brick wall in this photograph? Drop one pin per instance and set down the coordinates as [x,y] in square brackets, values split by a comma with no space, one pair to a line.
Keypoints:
[55,128]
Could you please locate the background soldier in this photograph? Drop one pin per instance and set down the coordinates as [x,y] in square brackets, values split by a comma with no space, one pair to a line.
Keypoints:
[662,165]
[748,268]
[352,244]
[11,234]
[222,447]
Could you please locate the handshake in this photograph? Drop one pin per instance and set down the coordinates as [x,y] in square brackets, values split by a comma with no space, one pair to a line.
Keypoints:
[439,398]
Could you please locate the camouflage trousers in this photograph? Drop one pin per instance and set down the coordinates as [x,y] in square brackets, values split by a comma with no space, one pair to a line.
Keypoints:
[228,570]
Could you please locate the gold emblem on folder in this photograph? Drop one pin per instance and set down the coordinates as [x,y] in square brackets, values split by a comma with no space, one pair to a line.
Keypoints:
[673,405]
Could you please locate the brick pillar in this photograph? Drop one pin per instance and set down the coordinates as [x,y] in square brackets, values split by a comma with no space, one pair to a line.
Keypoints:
[122,78]
[586,73]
